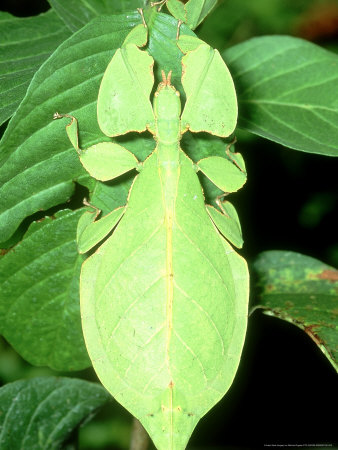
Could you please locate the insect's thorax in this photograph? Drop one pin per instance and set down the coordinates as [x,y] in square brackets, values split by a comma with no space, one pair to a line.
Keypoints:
[167,110]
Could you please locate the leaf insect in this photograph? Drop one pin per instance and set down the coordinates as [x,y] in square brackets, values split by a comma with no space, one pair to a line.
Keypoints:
[164,299]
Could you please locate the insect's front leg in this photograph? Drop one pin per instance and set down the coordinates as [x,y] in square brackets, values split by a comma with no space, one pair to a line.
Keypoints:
[160,4]
[103,161]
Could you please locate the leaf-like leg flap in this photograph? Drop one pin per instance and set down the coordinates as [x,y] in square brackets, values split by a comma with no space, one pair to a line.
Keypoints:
[223,173]
[227,223]
[177,9]
[107,160]
[90,232]
[123,103]
[236,158]
[211,104]
[103,161]
[188,43]
[137,36]
[72,130]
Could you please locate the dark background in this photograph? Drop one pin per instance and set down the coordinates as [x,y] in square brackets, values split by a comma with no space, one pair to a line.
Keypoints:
[285,391]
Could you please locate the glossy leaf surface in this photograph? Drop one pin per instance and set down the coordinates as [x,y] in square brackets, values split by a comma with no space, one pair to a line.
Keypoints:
[39,294]
[77,13]
[303,291]
[25,44]
[40,413]
[287,92]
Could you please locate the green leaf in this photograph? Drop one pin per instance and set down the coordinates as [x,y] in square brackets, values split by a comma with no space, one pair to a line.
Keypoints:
[39,292]
[303,291]
[77,13]
[287,92]
[38,162]
[162,46]
[25,44]
[41,413]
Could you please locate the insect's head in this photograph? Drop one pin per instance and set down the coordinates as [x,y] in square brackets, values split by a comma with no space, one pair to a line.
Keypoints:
[167,98]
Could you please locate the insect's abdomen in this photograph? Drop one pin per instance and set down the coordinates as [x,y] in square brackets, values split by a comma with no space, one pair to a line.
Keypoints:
[160,299]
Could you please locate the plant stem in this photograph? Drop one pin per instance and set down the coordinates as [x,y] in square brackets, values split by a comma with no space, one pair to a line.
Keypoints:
[139,437]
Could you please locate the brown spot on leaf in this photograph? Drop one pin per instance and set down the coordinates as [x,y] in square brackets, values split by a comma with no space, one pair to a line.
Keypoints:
[171,384]
[269,287]
[330,275]
[289,304]
[4,251]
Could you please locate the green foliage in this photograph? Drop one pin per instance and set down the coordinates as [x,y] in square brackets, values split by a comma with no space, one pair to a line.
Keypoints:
[303,291]
[40,413]
[286,88]
[77,13]
[39,294]
[26,44]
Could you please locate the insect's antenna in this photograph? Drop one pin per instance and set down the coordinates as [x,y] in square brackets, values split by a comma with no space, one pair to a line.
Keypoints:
[166,80]
[169,78]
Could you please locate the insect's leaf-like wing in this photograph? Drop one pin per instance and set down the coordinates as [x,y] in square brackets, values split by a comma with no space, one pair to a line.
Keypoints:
[211,104]
[123,104]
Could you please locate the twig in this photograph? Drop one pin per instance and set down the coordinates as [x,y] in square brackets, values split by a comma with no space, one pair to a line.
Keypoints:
[139,437]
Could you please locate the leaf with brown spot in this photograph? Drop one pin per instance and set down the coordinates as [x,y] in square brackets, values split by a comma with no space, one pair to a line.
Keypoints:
[303,291]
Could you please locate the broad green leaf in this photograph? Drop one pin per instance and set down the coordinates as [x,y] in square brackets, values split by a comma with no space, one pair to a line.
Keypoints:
[191,12]
[38,163]
[287,92]
[39,292]
[77,13]
[40,413]
[303,291]
[25,44]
